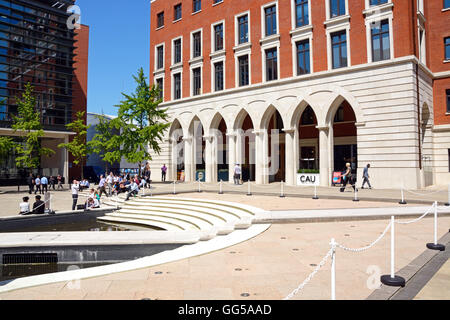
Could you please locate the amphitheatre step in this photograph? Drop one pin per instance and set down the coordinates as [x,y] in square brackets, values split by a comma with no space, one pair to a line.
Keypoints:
[183,224]
[204,221]
[209,212]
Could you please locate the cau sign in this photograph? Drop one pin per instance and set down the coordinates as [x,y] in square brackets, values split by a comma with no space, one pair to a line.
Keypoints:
[308,179]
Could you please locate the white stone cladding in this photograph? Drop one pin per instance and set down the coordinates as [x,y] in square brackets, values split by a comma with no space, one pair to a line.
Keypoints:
[383,96]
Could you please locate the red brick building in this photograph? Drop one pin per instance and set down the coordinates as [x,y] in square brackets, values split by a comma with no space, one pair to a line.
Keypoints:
[384,63]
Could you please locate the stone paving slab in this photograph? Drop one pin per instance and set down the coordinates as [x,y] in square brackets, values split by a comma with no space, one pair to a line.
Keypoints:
[268,266]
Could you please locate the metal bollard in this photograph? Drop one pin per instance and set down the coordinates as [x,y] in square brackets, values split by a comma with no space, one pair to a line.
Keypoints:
[403,197]
[448,203]
[174,188]
[356,196]
[393,280]
[249,191]
[282,195]
[436,245]
[333,269]
[220,187]
[315,194]
[199,186]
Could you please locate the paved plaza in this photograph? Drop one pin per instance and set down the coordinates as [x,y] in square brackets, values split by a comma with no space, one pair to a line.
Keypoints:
[270,265]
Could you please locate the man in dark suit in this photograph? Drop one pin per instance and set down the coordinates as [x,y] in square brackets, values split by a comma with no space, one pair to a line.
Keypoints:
[30,182]
[39,206]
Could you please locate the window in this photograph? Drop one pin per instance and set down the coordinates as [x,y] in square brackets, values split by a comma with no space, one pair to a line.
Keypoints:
[446,4]
[303,57]
[243,71]
[339,49]
[196,5]
[159,85]
[197,81]
[337,8]
[308,117]
[218,76]
[448,100]
[339,117]
[381,49]
[197,44]
[218,37]
[447,48]
[271,65]
[243,29]
[377,2]
[177,86]
[177,12]
[160,57]
[160,20]
[301,13]
[177,51]
[271,20]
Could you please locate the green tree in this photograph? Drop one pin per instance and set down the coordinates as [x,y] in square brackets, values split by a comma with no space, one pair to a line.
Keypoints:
[28,124]
[78,147]
[106,142]
[141,121]
[7,146]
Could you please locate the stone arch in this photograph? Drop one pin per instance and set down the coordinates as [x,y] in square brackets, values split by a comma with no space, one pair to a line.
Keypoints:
[338,96]
[267,115]
[240,117]
[296,111]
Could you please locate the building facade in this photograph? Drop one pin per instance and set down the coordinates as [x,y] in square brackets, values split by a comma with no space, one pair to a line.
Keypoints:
[285,85]
[37,47]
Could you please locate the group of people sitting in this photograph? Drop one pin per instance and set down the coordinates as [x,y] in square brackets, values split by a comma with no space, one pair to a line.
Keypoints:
[38,206]
[121,184]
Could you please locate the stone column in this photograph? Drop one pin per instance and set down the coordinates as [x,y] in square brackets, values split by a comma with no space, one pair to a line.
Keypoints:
[290,156]
[66,162]
[232,159]
[189,163]
[324,156]
[209,158]
[262,156]
[174,159]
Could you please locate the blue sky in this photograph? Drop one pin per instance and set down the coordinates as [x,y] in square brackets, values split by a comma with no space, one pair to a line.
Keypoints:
[119,46]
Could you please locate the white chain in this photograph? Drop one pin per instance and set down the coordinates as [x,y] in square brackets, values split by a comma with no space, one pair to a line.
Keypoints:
[418,219]
[307,280]
[369,246]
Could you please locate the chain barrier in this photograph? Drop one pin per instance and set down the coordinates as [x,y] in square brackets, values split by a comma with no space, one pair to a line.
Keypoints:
[418,219]
[424,194]
[369,246]
[309,278]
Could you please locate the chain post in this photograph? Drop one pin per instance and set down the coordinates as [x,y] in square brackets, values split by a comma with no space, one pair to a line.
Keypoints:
[448,203]
[392,279]
[333,269]
[282,195]
[221,187]
[315,193]
[249,192]
[436,245]
[403,197]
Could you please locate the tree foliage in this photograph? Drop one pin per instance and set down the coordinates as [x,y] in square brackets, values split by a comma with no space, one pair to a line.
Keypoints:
[28,124]
[141,121]
[78,147]
[106,143]
[7,146]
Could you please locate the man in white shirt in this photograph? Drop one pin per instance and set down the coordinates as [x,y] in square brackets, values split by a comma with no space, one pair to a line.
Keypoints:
[109,181]
[75,189]
[134,189]
[38,185]
[44,183]
[237,174]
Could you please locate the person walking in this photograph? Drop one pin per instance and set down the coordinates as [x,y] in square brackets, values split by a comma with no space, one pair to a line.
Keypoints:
[44,183]
[30,182]
[37,182]
[101,186]
[59,179]
[109,181]
[237,174]
[75,188]
[348,178]
[52,182]
[366,177]
[164,173]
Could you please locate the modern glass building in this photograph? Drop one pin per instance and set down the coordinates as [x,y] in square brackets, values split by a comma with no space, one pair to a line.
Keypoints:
[36,46]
